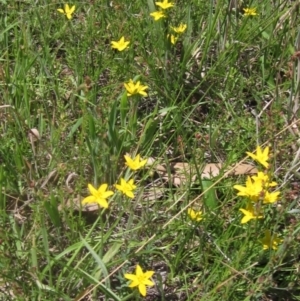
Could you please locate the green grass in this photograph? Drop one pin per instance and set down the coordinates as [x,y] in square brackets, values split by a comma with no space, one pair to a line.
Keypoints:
[229,83]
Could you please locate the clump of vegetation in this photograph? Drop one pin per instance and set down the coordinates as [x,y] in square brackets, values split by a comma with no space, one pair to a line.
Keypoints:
[149,150]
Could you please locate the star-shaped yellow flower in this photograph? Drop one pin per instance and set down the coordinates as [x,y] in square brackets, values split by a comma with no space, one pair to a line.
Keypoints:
[264,179]
[165,4]
[180,29]
[173,39]
[270,197]
[140,279]
[269,241]
[67,11]
[135,163]
[250,11]
[120,45]
[135,88]
[126,187]
[253,189]
[261,156]
[98,195]
[157,15]
[249,214]
[195,215]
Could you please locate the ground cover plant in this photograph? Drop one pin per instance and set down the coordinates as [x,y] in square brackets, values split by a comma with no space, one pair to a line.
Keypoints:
[149,150]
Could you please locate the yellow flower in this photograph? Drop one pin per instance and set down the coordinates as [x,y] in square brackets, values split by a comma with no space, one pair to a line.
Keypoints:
[157,15]
[180,29]
[98,196]
[269,241]
[165,4]
[120,45]
[270,198]
[135,163]
[126,187]
[253,189]
[195,215]
[173,39]
[264,179]
[250,11]
[261,156]
[133,88]
[249,214]
[140,279]
[67,11]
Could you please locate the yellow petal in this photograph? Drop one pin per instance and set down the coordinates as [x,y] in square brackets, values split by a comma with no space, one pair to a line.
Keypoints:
[266,151]
[246,219]
[119,187]
[102,202]
[71,11]
[130,182]
[89,199]
[191,212]
[129,194]
[134,283]
[143,93]
[240,188]
[246,212]
[130,277]
[138,271]
[142,289]
[92,189]
[107,194]
[102,188]
[148,282]
[128,159]
[149,274]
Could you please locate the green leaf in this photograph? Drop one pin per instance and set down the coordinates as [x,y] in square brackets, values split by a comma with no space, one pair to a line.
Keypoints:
[148,133]
[112,133]
[75,127]
[107,257]
[124,109]
[52,209]
[97,259]
[210,199]
[111,252]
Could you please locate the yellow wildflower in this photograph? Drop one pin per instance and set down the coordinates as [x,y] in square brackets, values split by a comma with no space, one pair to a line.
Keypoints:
[180,29]
[253,189]
[195,215]
[120,45]
[261,156]
[165,4]
[135,163]
[157,15]
[250,11]
[98,195]
[249,213]
[270,197]
[140,279]
[67,11]
[173,39]
[135,88]
[265,180]
[126,187]
[269,241]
